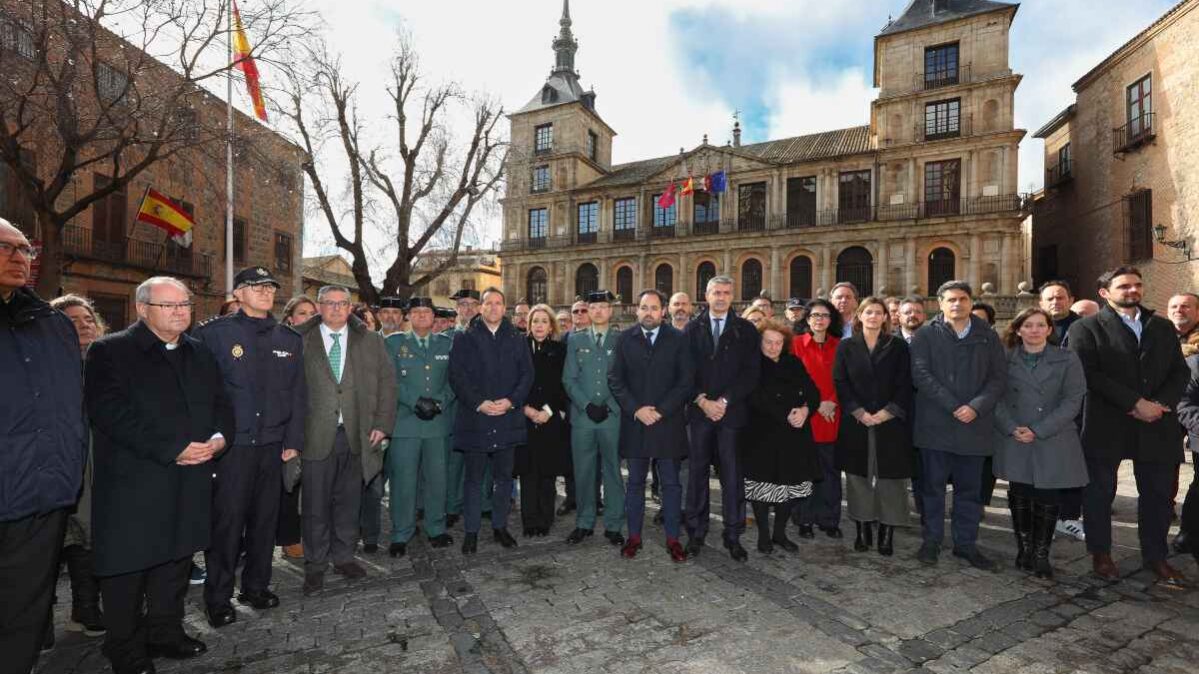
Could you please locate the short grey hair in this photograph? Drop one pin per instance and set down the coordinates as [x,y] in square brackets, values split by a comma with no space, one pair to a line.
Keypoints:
[142,295]
[325,290]
[721,280]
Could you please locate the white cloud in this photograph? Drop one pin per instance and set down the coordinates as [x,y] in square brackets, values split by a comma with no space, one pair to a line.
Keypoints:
[800,106]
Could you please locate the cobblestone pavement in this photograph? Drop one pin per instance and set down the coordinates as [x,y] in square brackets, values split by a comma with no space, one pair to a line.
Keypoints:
[549,607]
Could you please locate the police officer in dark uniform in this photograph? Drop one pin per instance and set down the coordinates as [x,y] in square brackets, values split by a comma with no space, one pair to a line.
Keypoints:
[263,368]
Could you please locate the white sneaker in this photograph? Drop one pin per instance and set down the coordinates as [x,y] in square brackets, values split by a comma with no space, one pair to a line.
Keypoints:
[1071,528]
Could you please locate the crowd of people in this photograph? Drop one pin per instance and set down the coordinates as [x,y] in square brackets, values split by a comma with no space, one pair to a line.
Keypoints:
[127,453]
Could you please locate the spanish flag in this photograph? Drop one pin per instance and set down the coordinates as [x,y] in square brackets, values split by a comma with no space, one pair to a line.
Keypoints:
[688,186]
[243,61]
[158,210]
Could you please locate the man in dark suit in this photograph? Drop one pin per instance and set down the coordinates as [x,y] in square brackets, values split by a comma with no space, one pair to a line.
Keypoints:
[1135,378]
[724,348]
[159,414]
[651,378]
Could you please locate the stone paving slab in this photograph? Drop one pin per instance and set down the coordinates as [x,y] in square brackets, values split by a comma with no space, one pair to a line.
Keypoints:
[549,607]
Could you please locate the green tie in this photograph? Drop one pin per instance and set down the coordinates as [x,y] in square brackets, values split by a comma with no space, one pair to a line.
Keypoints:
[335,356]
[423,344]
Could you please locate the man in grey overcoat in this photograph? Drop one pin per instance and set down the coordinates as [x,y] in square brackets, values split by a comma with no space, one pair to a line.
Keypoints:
[351,411]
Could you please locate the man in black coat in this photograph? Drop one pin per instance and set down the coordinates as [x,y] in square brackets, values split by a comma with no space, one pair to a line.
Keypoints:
[159,415]
[1135,378]
[42,448]
[262,365]
[491,372]
[724,348]
[651,378]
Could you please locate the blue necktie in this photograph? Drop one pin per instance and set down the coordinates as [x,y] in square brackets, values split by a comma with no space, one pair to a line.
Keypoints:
[716,330]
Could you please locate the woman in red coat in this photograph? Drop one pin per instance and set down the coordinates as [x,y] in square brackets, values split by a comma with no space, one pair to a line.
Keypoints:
[818,349]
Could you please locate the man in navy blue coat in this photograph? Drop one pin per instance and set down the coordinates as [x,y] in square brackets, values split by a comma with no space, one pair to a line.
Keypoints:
[491,372]
[42,446]
[727,357]
[651,378]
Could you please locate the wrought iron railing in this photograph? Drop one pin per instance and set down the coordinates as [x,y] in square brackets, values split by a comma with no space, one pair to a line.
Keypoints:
[80,242]
[1136,132]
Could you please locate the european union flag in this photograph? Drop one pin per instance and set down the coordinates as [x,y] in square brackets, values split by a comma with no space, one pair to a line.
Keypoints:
[719,182]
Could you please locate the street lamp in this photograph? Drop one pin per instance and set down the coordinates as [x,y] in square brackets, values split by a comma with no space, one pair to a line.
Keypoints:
[1159,235]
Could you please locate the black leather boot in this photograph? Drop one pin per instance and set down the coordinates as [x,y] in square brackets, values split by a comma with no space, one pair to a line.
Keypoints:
[861,542]
[1021,509]
[886,540]
[1044,524]
[86,615]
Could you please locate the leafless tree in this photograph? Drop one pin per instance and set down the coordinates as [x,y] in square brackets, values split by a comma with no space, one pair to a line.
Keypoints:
[417,187]
[113,87]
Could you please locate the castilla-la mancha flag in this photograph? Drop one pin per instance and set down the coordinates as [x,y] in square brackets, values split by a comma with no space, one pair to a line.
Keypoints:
[243,61]
[158,210]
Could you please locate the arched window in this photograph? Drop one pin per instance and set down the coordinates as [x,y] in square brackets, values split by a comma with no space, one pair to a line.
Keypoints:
[856,265]
[801,277]
[536,286]
[586,280]
[751,279]
[705,272]
[624,284]
[664,279]
[941,263]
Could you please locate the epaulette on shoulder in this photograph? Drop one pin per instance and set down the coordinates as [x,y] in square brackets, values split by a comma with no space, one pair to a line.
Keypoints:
[213,319]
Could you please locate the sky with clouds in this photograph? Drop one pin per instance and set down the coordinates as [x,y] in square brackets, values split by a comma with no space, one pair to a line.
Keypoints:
[668,71]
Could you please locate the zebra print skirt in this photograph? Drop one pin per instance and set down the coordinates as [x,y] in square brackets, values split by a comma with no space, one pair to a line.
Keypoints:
[768,492]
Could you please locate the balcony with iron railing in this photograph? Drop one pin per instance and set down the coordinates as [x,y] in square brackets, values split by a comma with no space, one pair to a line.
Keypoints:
[944,129]
[1135,133]
[1056,175]
[79,242]
[944,77]
[850,215]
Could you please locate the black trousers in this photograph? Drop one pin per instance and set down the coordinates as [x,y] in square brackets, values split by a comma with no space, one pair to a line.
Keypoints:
[29,550]
[161,590]
[710,442]
[245,515]
[332,497]
[988,482]
[287,531]
[1155,483]
[1071,503]
[537,500]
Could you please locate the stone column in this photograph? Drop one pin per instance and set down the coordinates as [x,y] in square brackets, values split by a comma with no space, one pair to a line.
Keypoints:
[910,194]
[826,268]
[727,269]
[680,277]
[973,270]
[640,275]
[909,257]
[881,266]
[603,264]
[776,288]
[1007,286]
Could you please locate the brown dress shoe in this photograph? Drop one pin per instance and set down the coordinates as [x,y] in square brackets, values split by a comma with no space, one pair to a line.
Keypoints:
[1104,567]
[1167,576]
[294,551]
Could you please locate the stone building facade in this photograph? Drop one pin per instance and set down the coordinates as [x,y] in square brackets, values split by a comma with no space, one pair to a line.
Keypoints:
[106,254]
[474,270]
[925,193]
[1120,164]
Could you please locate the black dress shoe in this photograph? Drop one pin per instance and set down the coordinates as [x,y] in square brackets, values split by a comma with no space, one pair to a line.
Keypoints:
[614,537]
[181,648]
[441,541]
[370,548]
[765,546]
[397,549]
[786,544]
[470,544]
[737,552]
[805,531]
[694,547]
[450,520]
[259,599]
[222,615]
[313,583]
[577,536]
[504,538]
[832,532]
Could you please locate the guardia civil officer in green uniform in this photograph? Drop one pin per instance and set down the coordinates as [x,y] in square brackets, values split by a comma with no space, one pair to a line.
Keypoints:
[468,301]
[594,419]
[422,430]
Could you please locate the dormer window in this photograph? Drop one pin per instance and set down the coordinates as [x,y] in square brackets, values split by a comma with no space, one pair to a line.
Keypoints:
[549,94]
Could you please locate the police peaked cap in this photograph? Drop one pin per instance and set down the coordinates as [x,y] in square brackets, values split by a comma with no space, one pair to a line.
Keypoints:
[466,294]
[254,276]
[417,302]
[600,296]
[392,303]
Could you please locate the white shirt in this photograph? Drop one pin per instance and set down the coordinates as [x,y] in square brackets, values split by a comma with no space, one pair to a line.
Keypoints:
[724,323]
[327,338]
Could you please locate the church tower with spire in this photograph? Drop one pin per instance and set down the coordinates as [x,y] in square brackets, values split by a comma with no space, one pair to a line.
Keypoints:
[558,143]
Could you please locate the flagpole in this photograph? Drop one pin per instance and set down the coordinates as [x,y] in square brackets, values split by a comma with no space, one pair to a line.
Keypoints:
[229,163]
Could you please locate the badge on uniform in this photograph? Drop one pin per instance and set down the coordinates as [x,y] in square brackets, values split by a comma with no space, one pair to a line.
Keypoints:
[609,353]
[237,351]
[445,357]
[282,354]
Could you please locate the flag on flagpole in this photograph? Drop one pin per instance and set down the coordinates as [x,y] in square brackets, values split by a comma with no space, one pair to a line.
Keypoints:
[717,182]
[157,209]
[243,61]
[688,186]
[666,200]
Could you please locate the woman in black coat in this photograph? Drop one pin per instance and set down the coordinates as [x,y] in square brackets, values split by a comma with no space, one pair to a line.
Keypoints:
[780,461]
[873,375]
[544,457]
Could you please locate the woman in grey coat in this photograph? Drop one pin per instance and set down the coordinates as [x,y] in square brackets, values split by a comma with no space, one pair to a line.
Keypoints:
[1038,451]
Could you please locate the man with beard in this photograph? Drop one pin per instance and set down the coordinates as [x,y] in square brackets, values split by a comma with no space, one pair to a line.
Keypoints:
[651,378]
[520,315]
[391,316]
[911,317]
[680,311]
[1135,378]
[797,315]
